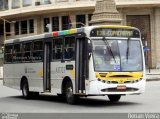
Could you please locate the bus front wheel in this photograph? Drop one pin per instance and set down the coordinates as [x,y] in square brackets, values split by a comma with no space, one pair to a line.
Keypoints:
[114,98]
[25,89]
[70,97]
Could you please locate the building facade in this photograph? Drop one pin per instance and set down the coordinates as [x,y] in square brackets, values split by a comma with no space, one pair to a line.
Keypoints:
[31,17]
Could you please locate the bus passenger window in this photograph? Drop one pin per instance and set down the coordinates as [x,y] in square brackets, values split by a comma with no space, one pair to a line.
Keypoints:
[57,48]
[37,51]
[69,48]
[17,54]
[27,52]
[8,53]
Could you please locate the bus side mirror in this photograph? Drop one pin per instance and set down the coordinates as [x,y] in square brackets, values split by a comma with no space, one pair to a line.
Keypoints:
[89,48]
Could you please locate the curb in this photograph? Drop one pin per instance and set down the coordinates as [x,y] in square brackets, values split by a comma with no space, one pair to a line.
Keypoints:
[148,80]
[152,74]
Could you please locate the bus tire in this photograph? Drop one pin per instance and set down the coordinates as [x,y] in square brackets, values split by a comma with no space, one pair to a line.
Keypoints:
[114,98]
[70,97]
[25,90]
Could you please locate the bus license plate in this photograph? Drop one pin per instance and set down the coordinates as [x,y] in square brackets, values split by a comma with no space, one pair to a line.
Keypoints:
[122,87]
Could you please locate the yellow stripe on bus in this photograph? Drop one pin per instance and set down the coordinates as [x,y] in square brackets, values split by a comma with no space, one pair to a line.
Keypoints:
[119,77]
[116,26]
[40,73]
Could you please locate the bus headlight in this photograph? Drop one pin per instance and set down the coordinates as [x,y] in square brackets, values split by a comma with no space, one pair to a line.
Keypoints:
[135,81]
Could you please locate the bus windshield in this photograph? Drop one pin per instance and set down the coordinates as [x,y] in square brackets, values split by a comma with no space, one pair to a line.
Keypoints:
[117,55]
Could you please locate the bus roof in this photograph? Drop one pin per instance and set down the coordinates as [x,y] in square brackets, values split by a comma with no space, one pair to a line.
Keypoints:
[79,30]
[28,38]
[66,32]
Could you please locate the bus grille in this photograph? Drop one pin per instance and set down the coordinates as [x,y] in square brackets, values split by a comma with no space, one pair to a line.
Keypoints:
[115,90]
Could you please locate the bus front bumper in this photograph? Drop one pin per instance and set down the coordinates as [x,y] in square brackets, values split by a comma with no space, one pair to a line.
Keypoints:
[100,88]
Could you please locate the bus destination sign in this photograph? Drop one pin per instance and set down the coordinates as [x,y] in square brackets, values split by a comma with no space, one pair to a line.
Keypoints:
[105,32]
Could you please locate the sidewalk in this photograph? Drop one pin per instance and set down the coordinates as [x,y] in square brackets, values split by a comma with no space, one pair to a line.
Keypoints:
[153,74]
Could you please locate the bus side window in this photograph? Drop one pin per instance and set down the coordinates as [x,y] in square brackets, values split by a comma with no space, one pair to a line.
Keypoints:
[17,54]
[27,52]
[8,53]
[37,51]
[69,47]
[57,49]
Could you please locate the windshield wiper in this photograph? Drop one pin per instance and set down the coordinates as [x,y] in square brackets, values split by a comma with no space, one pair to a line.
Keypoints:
[127,52]
[109,48]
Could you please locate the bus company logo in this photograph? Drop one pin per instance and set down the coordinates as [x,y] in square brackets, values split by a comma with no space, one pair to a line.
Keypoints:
[9,116]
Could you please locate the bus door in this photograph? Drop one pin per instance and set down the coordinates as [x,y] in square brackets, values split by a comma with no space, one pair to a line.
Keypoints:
[81,64]
[47,67]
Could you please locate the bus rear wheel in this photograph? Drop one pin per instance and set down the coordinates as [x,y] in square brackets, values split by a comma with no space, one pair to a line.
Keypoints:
[70,97]
[25,89]
[114,98]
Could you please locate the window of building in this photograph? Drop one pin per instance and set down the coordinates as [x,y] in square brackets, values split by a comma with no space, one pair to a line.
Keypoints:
[55,23]
[16,28]
[15,4]
[27,3]
[3,4]
[69,48]
[80,20]
[37,51]
[45,22]
[47,1]
[1,57]
[27,52]
[89,18]
[37,2]
[17,54]
[8,29]
[62,0]
[8,53]
[24,27]
[2,30]
[65,22]
[57,48]
[31,26]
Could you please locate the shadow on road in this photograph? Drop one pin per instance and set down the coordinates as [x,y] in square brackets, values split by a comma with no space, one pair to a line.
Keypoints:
[102,103]
[89,102]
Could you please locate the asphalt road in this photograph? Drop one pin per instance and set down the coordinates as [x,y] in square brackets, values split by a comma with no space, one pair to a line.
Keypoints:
[11,101]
